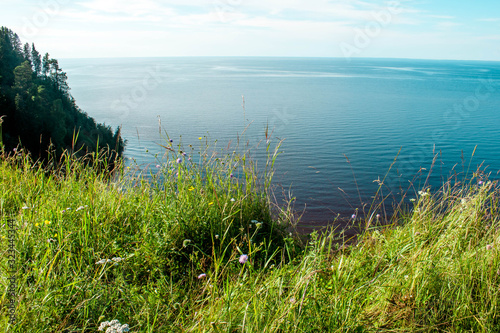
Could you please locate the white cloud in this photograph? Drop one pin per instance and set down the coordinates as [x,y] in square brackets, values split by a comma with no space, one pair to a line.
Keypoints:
[493,19]
[447,24]
[442,17]
[127,7]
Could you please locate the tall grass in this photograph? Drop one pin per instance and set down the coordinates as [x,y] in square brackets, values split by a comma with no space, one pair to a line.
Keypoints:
[197,246]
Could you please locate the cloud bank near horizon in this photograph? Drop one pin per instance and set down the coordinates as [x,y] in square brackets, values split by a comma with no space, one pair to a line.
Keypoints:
[341,28]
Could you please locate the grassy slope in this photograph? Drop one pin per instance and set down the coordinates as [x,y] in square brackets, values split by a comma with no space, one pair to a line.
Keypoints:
[437,271]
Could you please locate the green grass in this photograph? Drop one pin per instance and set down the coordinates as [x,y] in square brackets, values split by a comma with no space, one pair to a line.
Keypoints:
[435,269]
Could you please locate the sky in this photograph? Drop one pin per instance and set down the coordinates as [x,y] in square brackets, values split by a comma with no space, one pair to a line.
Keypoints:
[418,29]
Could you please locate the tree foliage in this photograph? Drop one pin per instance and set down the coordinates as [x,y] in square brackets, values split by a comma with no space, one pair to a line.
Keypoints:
[38,111]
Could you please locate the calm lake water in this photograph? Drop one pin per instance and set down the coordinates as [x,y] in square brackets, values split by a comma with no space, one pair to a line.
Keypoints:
[367,109]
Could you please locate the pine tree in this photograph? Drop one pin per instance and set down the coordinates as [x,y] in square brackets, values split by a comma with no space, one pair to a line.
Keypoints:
[37,60]
[46,65]
[27,53]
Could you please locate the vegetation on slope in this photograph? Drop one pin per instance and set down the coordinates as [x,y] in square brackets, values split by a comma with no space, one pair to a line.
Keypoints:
[37,110]
[197,247]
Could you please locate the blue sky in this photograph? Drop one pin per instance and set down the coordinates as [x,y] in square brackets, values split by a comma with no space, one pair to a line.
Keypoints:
[438,29]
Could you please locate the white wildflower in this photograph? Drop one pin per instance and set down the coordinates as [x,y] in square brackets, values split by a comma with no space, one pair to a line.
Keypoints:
[114,327]
[81,207]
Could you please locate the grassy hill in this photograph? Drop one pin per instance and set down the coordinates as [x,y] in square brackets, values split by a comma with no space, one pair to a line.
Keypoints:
[199,246]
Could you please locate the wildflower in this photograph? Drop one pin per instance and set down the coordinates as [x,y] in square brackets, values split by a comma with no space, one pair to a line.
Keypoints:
[412,200]
[480,182]
[114,327]
[117,259]
[201,276]
[36,224]
[216,236]
[186,242]
[25,207]
[170,140]
[179,160]
[243,259]
[211,203]
[158,166]
[184,154]
[232,200]
[423,193]
[104,261]
[489,247]
[258,225]
[191,188]
[231,175]
[14,150]
[199,138]
[81,207]
[378,216]
[51,240]
[47,222]
[353,216]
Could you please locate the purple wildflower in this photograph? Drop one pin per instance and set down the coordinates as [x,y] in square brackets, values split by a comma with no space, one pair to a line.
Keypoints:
[243,258]
[201,276]
[480,182]
[179,160]
[353,216]
[170,140]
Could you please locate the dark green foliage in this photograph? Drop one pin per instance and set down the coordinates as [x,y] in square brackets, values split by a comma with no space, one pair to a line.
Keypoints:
[38,111]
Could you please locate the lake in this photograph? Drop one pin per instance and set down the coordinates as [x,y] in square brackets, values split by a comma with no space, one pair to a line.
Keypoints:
[325,109]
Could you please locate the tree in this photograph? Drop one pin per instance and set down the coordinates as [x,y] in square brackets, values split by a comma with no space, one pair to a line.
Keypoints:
[37,108]
[36,60]
[46,65]
[23,77]
[27,53]
[58,76]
